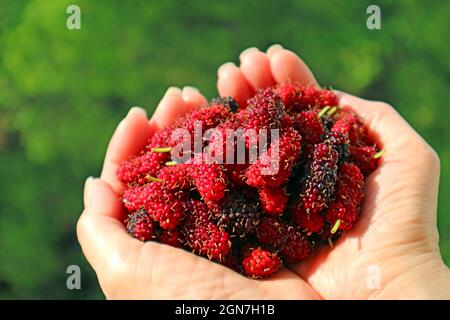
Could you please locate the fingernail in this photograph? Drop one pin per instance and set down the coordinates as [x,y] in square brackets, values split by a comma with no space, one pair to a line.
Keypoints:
[274,48]
[137,110]
[189,89]
[246,52]
[223,67]
[88,190]
[173,91]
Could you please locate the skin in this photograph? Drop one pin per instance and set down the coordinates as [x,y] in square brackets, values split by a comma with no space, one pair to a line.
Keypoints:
[392,253]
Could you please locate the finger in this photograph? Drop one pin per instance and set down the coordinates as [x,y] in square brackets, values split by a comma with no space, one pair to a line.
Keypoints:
[169,108]
[133,132]
[255,66]
[232,83]
[286,66]
[129,139]
[193,99]
[100,230]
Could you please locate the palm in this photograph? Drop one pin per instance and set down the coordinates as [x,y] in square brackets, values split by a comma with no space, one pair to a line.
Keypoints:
[166,272]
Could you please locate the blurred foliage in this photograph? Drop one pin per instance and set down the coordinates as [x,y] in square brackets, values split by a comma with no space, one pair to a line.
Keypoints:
[63,91]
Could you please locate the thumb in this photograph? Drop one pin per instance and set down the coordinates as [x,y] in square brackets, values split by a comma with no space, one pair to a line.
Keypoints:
[100,230]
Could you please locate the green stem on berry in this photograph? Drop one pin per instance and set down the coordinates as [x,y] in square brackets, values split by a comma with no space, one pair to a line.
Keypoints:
[336,226]
[162,150]
[330,242]
[153,179]
[332,111]
[323,111]
[379,154]
[171,163]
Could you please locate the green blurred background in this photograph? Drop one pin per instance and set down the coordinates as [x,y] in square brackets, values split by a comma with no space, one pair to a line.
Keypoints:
[63,92]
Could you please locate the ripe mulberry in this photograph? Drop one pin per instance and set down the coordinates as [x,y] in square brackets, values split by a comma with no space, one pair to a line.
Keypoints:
[307,222]
[209,179]
[352,127]
[140,225]
[349,195]
[364,158]
[137,169]
[202,235]
[171,237]
[219,198]
[162,204]
[309,126]
[320,179]
[260,263]
[176,177]
[238,215]
[274,166]
[273,201]
[288,241]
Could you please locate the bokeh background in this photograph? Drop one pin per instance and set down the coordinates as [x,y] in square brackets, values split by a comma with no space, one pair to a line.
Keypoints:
[63,92]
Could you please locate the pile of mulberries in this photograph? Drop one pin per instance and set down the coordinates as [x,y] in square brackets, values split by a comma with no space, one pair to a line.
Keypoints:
[252,212]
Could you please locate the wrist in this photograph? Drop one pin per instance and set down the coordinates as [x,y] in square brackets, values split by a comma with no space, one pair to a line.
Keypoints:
[428,280]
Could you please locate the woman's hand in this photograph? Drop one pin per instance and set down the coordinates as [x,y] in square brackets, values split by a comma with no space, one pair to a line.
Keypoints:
[392,252]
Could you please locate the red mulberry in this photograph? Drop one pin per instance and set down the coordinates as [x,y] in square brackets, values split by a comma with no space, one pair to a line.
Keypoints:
[291,244]
[273,201]
[140,225]
[349,195]
[260,263]
[202,235]
[275,165]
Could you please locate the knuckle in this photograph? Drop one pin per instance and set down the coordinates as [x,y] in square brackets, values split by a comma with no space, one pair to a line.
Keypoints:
[431,156]
[425,156]
[384,107]
[82,224]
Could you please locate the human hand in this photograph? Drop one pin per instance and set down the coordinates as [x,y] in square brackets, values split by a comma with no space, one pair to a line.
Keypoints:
[129,269]
[395,233]
[396,239]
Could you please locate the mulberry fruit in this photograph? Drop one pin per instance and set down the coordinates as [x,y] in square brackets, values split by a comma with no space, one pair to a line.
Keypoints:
[352,127]
[320,179]
[171,237]
[138,169]
[307,222]
[132,198]
[274,166]
[238,215]
[140,225]
[288,241]
[260,263]
[175,177]
[310,127]
[162,205]
[349,195]
[273,201]
[365,158]
[209,179]
[202,235]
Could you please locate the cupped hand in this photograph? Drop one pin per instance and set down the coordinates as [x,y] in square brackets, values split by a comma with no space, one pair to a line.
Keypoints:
[393,250]
[129,269]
